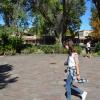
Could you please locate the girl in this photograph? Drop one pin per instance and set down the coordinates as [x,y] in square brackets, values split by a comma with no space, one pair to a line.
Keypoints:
[73,73]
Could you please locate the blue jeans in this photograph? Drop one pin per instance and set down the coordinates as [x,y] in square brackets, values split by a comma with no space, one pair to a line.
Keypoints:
[69,87]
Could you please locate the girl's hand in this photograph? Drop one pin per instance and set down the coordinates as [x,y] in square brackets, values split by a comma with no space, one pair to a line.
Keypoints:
[78,77]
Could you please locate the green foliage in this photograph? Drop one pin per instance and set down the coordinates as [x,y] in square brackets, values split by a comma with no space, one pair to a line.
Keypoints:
[13,12]
[97,4]
[28,50]
[47,14]
[97,48]
[52,49]
[78,49]
[95,23]
[1,30]
[8,50]
[7,30]
[59,49]
[17,13]
[1,50]
[46,49]
[75,9]
[4,39]
[98,52]
[31,49]
[16,43]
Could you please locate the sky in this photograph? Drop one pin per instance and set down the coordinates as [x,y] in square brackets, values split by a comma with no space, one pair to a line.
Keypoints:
[85,18]
[1,20]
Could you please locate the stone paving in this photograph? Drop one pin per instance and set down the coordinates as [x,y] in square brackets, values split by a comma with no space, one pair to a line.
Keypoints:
[41,77]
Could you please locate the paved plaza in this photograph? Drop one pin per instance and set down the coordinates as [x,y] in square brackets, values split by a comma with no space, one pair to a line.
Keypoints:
[41,77]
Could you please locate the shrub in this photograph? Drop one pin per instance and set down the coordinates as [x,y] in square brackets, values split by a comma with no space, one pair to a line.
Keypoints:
[16,43]
[97,48]
[30,49]
[52,49]
[59,49]
[4,39]
[8,50]
[98,52]
[1,50]
[46,48]
[78,49]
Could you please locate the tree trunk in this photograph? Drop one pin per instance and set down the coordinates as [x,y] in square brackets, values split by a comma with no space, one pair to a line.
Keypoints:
[64,20]
[59,40]
[97,4]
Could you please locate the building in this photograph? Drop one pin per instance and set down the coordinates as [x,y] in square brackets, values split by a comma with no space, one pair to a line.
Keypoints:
[29,39]
[84,34]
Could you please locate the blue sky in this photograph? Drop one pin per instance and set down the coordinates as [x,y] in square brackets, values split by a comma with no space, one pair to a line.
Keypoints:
[1,20]
[85,18]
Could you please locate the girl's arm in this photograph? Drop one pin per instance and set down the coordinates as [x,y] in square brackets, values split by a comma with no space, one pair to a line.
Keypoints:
[77,66]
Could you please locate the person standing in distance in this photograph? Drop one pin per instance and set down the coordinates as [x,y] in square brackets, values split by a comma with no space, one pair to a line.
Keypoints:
[88,49]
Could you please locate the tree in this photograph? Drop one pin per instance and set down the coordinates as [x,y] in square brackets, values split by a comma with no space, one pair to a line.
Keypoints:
[95,23]
[52,11]
[14,15]
[97,4]
[49,14]
[12,12]
[70,19]
[46,12]
[6,10]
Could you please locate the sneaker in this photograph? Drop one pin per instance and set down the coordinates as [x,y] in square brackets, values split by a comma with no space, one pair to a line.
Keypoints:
[84,95]
[82,80]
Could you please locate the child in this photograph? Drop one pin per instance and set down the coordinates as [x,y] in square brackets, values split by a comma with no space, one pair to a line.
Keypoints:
[73,73]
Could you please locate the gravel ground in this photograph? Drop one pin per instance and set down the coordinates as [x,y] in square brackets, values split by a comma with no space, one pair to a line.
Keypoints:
[41,77]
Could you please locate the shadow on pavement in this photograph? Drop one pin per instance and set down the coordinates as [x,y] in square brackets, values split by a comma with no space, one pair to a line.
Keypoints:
[5,76]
